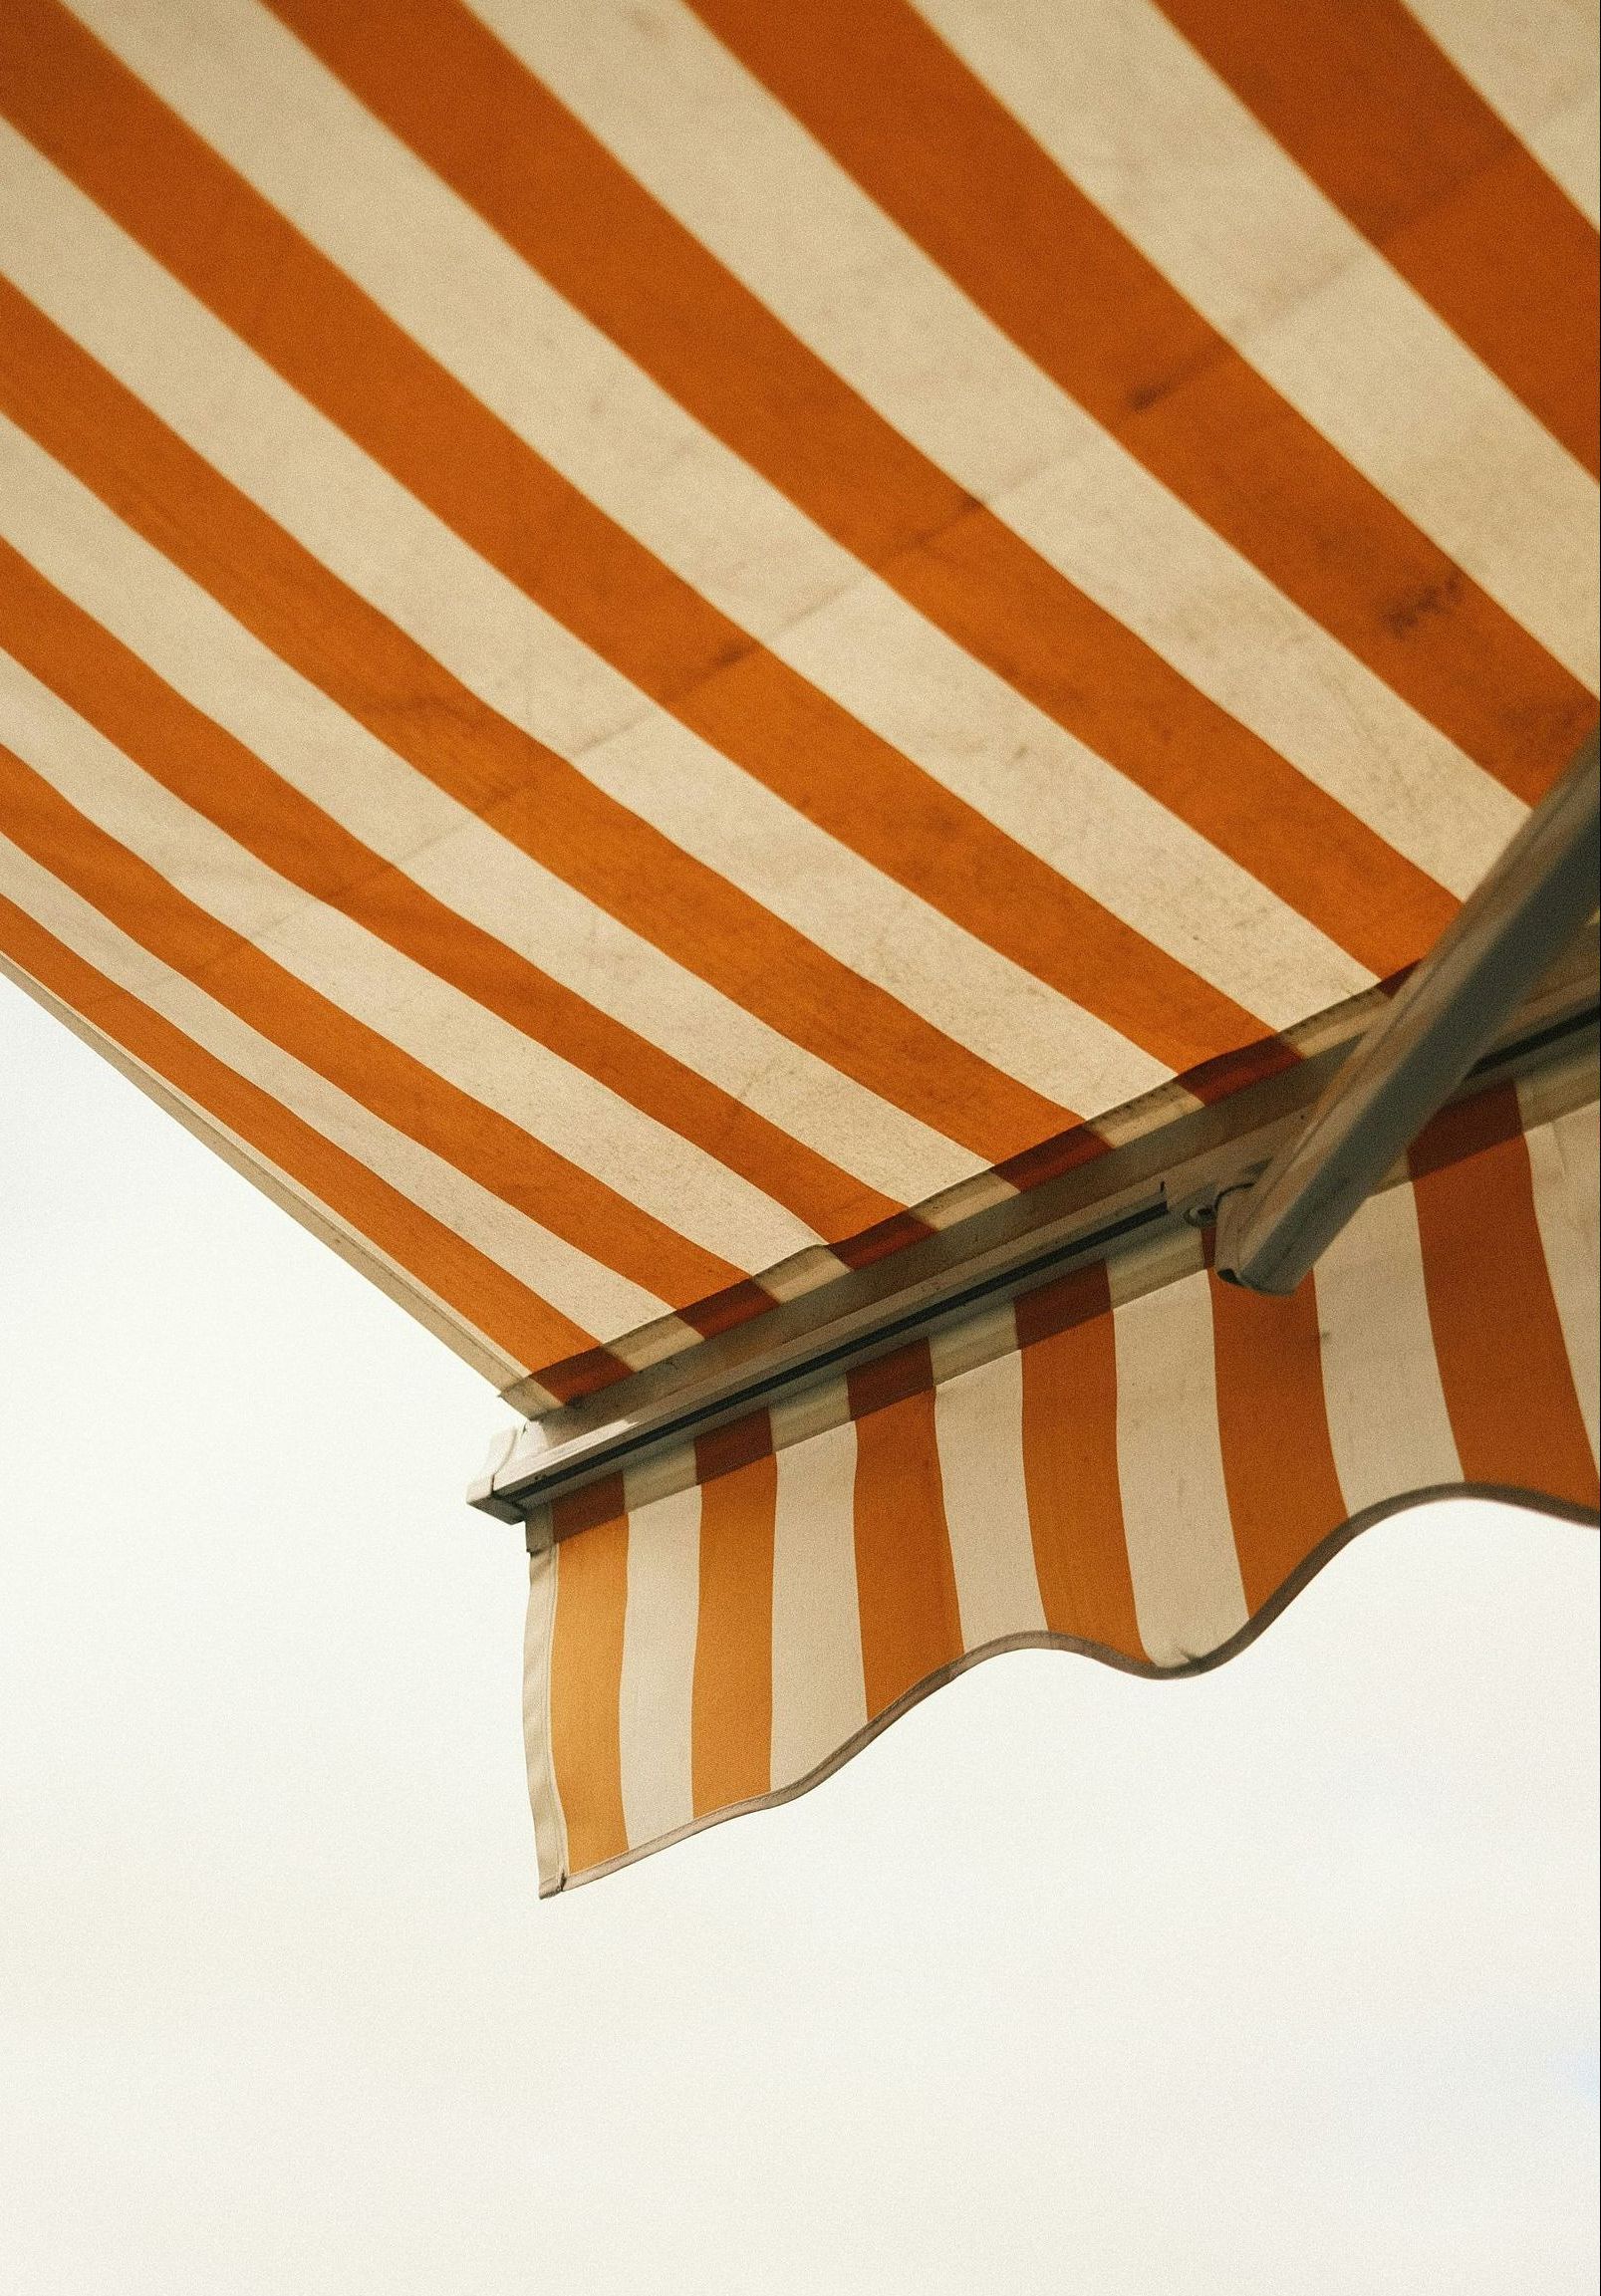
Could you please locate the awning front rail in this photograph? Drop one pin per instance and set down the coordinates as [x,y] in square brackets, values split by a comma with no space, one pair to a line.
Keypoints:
[1146,1198]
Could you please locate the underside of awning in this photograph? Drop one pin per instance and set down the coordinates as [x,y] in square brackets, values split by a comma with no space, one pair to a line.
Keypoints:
[698,675]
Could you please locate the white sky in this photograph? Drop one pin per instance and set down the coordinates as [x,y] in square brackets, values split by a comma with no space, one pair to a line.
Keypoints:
[1277,1981]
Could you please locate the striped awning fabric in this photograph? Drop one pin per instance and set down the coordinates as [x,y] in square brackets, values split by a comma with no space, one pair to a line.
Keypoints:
[647,648]
[1135,1460]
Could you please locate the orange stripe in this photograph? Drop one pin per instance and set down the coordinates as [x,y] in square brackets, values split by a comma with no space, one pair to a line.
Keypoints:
[434,75]
[529,795]
[925,138]
[586,1678]
[127,151]
[502,1158]
[1504,1362]
[733,1726]
[1278,1463]
[906,1580]
[479,1291]
[1070,1461]
[178,746]
[1389,130]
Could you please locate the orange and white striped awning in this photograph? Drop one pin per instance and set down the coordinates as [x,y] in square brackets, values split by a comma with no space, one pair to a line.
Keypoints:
[1133,1460]
[645,647]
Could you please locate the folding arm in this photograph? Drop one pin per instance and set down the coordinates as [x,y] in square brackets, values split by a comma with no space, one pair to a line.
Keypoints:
[1413,1057]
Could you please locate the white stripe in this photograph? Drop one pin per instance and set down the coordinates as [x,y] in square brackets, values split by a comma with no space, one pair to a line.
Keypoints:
[458,288]
[550,1824]
[1535,64]
[653,1342]
[670,102]
[1388,1424]
[978,1425]
[1131,113]
[658,1688]
[379,540]
[463,1043]
[819,1691]
[1565,1161]
[1187,1593]
[572,1282]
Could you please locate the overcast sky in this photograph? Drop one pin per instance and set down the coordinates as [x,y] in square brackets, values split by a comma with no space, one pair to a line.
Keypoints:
[1277,1981]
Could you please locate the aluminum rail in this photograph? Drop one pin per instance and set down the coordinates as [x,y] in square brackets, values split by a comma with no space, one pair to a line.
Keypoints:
[1533,901]
[1164,1181]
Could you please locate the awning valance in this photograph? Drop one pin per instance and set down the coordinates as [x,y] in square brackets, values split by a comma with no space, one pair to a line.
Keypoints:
[1133,1460]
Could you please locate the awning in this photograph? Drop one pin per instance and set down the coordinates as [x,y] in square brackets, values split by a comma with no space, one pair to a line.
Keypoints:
[1133,1460]
[651,655]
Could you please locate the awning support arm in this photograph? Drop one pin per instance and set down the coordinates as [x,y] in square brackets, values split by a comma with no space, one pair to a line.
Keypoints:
[1416,1054]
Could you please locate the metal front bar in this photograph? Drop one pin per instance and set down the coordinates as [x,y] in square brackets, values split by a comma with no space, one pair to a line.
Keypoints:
[1447,1014]
[1170,1177]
